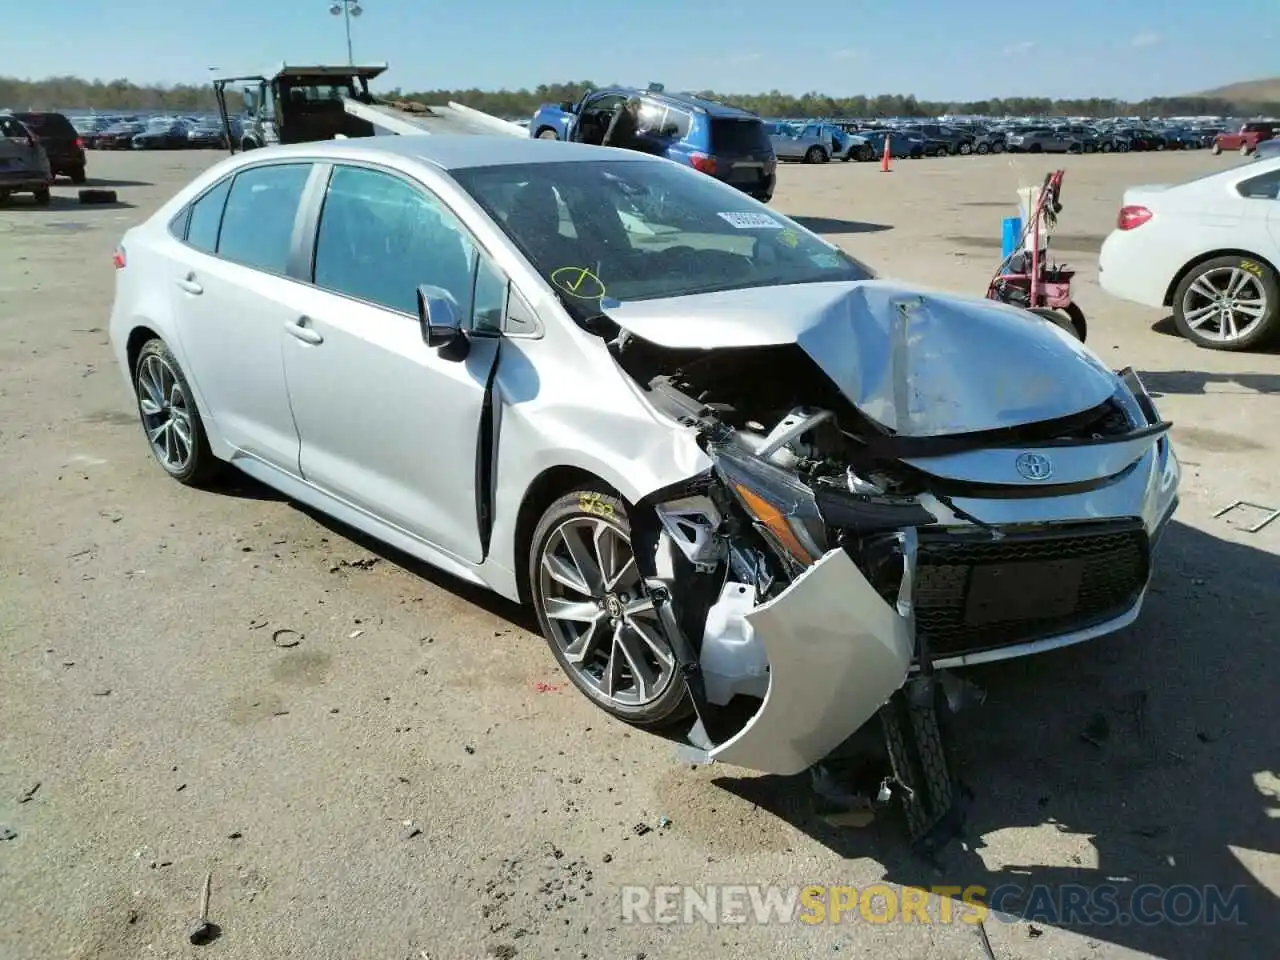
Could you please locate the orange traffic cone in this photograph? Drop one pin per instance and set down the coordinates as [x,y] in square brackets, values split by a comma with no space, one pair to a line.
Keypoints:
[884,160]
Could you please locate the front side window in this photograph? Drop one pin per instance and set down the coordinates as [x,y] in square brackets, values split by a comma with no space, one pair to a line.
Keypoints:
[641,230]
[257,224]
[206,218]
[381,237]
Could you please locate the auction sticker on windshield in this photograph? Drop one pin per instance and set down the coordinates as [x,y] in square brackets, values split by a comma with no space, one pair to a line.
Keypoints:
[750,221]
[578,282]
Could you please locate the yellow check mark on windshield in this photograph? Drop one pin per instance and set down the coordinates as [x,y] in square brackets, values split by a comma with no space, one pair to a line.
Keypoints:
[578,282]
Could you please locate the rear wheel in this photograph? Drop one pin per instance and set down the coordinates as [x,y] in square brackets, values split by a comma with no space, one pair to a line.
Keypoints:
[1228,303]
[595,614]
[170,420]
[866,152]
[78,175]
[998,147]
[1244,150]
[1216,149]
[1070,319]
[1107,146]
[983,149]
[815,155]
[965,149]
[1035,148]
[42,196]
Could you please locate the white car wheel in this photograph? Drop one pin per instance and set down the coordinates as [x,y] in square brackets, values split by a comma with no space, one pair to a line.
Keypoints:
[1228,303]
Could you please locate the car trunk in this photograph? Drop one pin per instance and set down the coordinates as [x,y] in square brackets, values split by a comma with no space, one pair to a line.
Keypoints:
[743,151]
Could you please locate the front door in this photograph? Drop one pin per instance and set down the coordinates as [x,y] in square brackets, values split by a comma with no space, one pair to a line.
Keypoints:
[388,424]
[230,293]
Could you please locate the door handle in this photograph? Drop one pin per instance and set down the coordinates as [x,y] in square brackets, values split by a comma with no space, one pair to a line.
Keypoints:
[302,329]
[188,283]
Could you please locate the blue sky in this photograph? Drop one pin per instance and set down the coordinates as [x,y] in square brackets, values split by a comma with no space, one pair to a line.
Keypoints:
[936,49]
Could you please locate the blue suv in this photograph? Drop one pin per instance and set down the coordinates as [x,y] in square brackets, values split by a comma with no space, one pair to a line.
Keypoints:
[729,144]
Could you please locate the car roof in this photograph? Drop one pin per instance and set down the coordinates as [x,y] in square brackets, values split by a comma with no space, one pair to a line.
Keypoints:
[455,152]
[690,102]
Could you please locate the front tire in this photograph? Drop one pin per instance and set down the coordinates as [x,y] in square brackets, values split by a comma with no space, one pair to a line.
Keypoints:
[170,419]
[78,176]
[595,614]
[42,197]
[546,133]
[1216,149]
[983,149]
[1244,150]
[965,149]
[815,155]
[1228,303]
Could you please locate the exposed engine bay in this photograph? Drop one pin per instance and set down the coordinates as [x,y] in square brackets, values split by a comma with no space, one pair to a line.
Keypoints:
[801,478]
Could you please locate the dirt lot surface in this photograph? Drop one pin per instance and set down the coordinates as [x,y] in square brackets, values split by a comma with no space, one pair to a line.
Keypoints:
[415,779]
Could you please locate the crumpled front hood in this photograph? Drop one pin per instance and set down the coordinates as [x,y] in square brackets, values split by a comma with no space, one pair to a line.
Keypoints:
[918,363]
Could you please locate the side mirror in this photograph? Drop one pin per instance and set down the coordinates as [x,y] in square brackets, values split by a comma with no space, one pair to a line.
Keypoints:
[438,316]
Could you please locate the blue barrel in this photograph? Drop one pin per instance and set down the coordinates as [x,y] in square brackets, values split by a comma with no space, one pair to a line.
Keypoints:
[1010,234]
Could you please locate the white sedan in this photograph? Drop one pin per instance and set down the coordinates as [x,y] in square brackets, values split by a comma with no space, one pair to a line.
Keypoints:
[1208,248]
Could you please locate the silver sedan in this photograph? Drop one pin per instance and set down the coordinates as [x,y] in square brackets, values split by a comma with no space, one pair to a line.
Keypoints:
[747,486]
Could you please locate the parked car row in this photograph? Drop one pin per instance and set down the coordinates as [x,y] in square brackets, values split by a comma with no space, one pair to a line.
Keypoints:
[154,133]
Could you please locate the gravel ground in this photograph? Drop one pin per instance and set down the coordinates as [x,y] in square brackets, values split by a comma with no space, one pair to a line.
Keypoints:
[414,779]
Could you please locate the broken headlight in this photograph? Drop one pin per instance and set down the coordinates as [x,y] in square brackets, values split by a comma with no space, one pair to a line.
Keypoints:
[781,506]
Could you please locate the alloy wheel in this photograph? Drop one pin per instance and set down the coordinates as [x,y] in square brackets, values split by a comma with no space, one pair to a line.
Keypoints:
[166,414]
[1224,304]
[599,615]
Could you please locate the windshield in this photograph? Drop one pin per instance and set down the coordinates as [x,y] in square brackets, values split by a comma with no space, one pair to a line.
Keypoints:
[643,230]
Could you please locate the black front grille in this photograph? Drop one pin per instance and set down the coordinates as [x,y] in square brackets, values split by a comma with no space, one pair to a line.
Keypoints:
[973,593]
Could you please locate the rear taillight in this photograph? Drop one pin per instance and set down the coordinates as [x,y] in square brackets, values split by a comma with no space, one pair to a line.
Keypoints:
[1132,217]
[79,144]
[118,259]
[703,163]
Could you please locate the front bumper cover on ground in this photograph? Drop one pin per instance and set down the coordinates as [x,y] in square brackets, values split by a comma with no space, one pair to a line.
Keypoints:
[836,652]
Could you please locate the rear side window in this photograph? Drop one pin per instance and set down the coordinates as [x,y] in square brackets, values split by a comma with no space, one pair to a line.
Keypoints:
[257,224]
[12,129]
[738,136]
[206,218]
[48,124]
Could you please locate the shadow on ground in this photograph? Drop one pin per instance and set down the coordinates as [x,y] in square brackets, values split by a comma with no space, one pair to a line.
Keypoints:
[59,203]
[1156,744]
[832,225]
[96,182]
[1194,382]
[487,600]
[1062,243]
[1167,327]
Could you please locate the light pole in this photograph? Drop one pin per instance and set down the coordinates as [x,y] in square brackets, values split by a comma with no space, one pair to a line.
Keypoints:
[347,9]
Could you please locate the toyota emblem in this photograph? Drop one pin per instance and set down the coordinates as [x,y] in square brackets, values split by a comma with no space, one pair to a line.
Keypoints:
[1033,466]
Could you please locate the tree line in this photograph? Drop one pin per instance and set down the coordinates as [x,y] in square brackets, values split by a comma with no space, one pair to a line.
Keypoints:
[76,93]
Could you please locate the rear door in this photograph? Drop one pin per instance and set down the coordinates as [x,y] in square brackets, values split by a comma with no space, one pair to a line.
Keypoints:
[744,155]
[234,298]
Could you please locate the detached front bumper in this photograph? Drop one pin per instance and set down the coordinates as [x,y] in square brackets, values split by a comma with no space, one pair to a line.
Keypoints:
[837,651]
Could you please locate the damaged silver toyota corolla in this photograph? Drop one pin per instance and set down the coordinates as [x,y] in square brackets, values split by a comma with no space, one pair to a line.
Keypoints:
[748,486]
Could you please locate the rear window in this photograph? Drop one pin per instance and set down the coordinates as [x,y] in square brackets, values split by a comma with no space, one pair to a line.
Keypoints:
[46,125]
[738,136]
